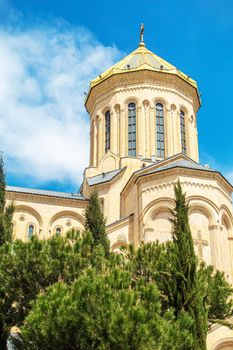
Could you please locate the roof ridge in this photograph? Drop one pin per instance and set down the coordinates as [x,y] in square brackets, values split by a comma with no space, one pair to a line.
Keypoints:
[49,193]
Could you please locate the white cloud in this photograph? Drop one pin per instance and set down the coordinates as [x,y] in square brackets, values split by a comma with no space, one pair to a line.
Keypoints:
[44,71]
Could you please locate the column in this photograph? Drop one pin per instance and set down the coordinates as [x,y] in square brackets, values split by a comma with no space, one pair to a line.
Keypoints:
[168,132]
[139,133]
[230,240]
[178,133]
[173,128]
[100,137]
[94,150]
[117,111]
[122,132]
[214,247]
[113,131]
[147,129]
[91,143]
[153,132]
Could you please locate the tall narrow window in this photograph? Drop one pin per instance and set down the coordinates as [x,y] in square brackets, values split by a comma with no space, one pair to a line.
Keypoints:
[160,130]
[132,129]
[107,131]
[31,230]
[182,132]
[58,231]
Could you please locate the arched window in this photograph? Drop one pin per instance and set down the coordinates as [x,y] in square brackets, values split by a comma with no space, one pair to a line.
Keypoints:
[31,231]
[132,129]
[182,132]
[160,130]
[107,131]
[58,231]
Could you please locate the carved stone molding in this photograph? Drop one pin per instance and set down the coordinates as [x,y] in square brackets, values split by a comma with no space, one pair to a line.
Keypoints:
[146,79]
[186,183]
[68,222]
[22,217]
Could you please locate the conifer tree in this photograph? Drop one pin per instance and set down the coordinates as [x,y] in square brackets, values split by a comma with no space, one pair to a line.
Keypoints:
[6,213]
[186,296]
[95,222]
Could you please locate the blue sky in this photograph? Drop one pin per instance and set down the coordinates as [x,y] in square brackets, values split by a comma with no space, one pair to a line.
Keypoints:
[51,49]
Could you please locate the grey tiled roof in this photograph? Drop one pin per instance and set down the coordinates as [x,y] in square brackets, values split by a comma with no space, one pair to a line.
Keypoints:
[101,178]
[182,163]
[45,192]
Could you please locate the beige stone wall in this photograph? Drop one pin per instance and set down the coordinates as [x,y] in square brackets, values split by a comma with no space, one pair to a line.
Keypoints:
[220,338]
[151,198]
[145,95]
[45,214]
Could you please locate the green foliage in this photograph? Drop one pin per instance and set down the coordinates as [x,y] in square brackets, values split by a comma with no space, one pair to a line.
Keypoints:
[95,222]
[6,212]
[103,311]
[27,269]
[73,293]
[186,295]
[217,294]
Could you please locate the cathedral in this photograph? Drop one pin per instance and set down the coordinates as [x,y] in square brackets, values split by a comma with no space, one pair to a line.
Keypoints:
[143,139]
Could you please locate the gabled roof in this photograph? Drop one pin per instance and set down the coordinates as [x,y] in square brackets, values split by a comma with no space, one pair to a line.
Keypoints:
[103,177]
[177,161]
[181,163]
[48,193]
[141,59]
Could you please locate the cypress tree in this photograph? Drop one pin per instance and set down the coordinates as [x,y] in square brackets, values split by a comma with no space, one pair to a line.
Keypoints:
[6,212]
[95,222]
[186,295]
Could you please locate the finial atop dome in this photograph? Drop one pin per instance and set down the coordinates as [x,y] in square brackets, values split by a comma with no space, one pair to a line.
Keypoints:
[142,35]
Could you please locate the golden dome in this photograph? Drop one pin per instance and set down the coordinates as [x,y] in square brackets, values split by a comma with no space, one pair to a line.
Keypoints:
[142,59]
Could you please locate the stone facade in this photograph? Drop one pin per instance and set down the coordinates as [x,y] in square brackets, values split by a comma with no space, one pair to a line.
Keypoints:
[137,192]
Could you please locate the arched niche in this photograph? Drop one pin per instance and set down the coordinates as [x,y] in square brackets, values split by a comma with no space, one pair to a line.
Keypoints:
[158,226]
[200,221]
[224,344]
[25,215]
[224,245]
[116,247]
[66,220]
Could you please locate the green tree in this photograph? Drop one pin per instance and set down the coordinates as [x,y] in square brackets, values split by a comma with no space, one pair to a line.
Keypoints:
[28,268]
[184,285]
[217,294]
[6,212]
[95,222]
[104,311]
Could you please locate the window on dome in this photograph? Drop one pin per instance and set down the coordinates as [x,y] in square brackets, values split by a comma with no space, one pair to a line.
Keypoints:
[31,230]
[132,129]
[58,231]
[182,132]
[107,131]
[160,130]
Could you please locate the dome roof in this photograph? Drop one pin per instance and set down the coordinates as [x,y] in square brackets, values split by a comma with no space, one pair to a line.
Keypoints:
[142,59]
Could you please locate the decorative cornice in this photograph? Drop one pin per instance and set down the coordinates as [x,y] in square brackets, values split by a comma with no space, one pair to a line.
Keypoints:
[151,78]
[132,89]
[189,184]
[119,224]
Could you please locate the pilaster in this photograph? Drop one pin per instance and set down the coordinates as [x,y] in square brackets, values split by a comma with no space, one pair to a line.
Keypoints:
[214,247]
[152,132]
[100,137]
[113,131]
[122,132]
[118,132]
[139,132]
[168,132]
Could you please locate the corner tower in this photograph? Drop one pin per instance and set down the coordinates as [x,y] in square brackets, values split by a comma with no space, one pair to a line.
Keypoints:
[143,109]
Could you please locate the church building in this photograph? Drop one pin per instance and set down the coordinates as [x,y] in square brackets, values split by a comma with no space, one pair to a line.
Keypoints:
[143,139]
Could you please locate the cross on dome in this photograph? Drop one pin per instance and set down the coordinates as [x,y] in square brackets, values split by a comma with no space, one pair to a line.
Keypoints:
[142,35]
